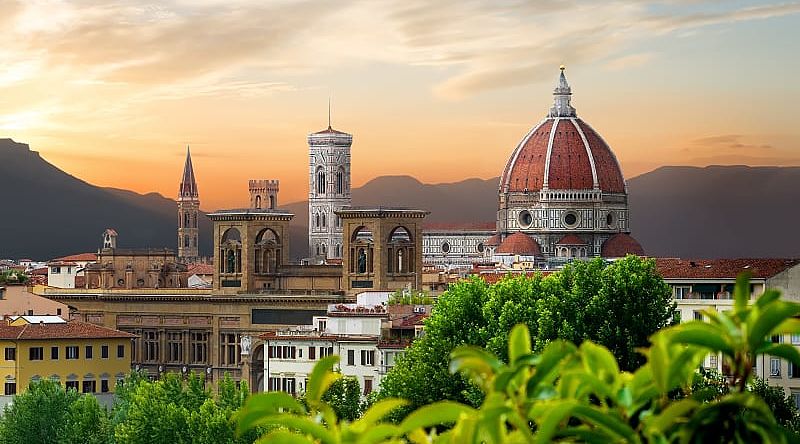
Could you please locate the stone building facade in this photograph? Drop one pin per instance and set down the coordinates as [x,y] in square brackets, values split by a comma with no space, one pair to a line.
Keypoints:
[328,191]
[563,186]
[125,268]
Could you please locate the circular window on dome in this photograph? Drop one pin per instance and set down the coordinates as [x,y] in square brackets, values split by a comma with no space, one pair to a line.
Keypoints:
[480,247]
[525,219]
[570,219]
[611,220]
[445,247]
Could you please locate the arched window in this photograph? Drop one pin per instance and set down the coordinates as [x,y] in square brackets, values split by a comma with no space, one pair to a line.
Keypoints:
[324,219]
[267,251]
[361,250]
[258,202]
[317,217]
[231,251]
[340,181]
[400,251]
[320,181]
[272,202]
[186,220]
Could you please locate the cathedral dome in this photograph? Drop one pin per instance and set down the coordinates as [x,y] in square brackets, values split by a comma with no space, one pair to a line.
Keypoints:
[521,244]
[620,245]
[562,152]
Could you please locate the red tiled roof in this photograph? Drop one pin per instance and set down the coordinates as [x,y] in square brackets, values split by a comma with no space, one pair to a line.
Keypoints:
[619,245]
[81,257]
[39,271]
[202,269]
[519,243]
[459,226]
[570,167]
[673,268]
[571,239]
[493,241]
[68,330]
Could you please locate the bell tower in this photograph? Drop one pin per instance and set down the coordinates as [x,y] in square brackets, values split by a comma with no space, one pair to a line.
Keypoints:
[188,209]
[328,191]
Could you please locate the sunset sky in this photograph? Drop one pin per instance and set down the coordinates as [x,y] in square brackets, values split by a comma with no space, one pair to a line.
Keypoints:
[112,92]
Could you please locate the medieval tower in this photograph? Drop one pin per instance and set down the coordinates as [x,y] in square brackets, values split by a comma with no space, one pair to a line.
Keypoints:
[328,191]
[188,209]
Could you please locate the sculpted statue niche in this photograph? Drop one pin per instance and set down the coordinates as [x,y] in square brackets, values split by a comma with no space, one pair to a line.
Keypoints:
[231,250]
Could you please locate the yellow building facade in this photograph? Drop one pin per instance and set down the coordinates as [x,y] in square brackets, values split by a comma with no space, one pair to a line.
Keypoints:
[78,355]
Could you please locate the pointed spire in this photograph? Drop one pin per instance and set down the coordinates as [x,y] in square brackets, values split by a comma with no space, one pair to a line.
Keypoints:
[188,187]
[329,112]
[561,98]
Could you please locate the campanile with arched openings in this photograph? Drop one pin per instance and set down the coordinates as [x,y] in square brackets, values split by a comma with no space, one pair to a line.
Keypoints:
[382,248]
[328,191]
[250,245]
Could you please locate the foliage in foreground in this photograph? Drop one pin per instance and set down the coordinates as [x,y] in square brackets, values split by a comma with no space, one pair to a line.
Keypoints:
[617,305]
[569,393]
[169,411]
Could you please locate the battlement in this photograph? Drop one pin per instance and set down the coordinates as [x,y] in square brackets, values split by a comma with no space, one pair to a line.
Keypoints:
[264,185]
[263,193]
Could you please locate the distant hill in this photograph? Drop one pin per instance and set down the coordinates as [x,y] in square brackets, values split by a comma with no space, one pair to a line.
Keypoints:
[716,211]
[48,213]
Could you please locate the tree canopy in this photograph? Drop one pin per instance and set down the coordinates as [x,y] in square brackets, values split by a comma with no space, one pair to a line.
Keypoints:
[618,305]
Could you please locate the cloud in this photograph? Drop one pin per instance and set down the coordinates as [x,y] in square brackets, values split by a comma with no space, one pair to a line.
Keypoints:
[629,61]
[735,149]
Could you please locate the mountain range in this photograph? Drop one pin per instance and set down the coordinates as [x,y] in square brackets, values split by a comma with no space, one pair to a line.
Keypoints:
[676,211]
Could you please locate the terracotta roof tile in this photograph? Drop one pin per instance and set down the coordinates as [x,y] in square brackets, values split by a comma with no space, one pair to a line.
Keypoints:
[571,239]
[71,329]
[81,257]
[620,245]
[673,268]
[519,243]
[203,269]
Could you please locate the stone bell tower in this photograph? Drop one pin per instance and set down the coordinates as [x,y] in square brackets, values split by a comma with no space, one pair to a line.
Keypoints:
[188,210]
[328,191]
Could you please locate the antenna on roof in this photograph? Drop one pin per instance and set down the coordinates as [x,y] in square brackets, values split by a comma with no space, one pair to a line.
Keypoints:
[329,112]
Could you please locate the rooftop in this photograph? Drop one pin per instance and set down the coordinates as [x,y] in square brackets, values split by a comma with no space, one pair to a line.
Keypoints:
[66,330]
[675,268]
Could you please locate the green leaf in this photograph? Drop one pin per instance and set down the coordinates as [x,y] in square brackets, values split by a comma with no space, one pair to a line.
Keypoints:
[264,404]
[701,334]
[552,355]
[668,418]
[549,416]
[378,433]
[519,342]
[774,314]
[321,377]
[741,292]
[438,413]
[302,424]
[283,437]
[611,424]
[376,412]
[598,360]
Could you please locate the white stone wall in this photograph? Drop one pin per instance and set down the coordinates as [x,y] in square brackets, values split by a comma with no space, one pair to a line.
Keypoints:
[61,276]
[330,154]
[454,249]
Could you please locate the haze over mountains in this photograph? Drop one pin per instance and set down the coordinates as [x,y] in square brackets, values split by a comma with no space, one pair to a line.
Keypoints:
[717,211]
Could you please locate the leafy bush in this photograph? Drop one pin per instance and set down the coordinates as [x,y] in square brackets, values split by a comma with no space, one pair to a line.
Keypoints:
[569,393]
[618,305]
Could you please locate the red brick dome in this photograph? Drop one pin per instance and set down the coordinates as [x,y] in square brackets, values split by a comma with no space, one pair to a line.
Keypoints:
[521,244]
[492,241]
[562,152]
[620,245]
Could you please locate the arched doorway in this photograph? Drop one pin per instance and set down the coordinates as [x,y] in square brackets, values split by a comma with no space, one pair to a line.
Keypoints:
[257,369]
